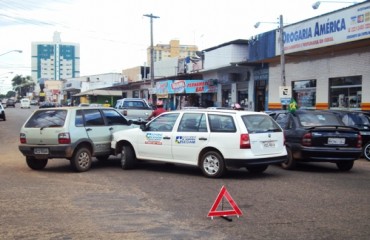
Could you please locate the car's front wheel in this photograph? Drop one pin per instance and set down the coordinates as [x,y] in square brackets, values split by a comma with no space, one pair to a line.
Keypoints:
[366,151]
[345,165]
[212,164]
[36,164]
[81,160]
[290,163]
[128,158]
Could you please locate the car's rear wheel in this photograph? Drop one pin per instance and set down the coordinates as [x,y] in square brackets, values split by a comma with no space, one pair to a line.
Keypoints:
[345,165]
[366,151]
[36,164]
[257,169]
[128,158]
[81,160]
[290,163]
[212,164]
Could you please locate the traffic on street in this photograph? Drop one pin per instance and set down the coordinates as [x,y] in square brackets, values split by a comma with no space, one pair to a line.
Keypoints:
[175,201]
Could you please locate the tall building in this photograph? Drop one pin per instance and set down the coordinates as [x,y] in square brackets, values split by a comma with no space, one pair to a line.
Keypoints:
[174,49]
[55,60]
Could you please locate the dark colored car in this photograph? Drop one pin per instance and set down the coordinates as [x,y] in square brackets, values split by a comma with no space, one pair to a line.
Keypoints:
[319,136]
[10,103]
[47,105]
[360,120]
[2,112]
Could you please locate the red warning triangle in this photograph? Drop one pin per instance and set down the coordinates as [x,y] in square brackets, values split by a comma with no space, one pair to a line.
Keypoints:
[224,193]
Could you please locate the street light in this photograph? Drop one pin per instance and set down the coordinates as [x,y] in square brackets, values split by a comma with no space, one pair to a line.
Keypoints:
[151,16]
[317,4]
[259,23]
[6,73]
[19,51]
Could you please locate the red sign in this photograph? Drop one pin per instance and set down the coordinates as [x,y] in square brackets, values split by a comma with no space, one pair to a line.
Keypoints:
[235,209]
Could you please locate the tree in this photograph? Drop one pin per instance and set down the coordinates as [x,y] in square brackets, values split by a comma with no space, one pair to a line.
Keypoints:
[23,85]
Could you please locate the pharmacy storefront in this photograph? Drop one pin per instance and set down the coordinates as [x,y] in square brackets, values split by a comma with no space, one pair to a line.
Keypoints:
[327,61]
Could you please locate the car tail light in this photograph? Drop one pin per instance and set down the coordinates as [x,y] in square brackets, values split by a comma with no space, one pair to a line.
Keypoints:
[359,141]
[64,138]
[245,142]
[307,139]
[22,138]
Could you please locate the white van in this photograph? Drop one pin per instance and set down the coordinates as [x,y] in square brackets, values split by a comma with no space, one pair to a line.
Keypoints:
[25,103]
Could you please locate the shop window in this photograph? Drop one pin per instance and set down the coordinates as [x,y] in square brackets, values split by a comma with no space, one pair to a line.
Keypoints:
[304,92]
[345,92]
[136,94]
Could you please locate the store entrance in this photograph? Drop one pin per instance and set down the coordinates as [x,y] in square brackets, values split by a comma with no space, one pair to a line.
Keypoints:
[260,96]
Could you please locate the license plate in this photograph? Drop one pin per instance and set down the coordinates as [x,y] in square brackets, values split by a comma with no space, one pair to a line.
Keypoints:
[268,144]
[336,140]
[41,151]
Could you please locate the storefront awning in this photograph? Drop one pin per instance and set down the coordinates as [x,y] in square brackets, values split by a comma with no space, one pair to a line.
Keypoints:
[96,92]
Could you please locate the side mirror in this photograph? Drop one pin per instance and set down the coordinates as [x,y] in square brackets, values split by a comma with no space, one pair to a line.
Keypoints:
[143,127]
[129,122]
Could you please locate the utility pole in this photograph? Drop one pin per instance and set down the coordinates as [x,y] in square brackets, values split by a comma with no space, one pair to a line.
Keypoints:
[282,54]
[151,16]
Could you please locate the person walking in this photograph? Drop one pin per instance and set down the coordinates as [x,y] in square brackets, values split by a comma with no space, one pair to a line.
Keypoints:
[157,111]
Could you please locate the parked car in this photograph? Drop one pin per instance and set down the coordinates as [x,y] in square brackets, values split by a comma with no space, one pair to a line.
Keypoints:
[319,136]
[34,102]
[360,120]
[134,108]
[25,103]
[47,105]
[74,133]
[10,103]
[2,112]
[213,140]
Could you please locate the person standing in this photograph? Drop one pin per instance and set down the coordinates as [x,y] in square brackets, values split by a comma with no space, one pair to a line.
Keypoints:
[157,111]
[106,104]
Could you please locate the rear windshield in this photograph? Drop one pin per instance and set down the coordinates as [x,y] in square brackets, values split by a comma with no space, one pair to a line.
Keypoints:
[260,124]
[309,119]
[47,118]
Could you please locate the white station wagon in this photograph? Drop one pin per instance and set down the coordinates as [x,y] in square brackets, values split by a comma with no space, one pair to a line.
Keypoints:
[213,140]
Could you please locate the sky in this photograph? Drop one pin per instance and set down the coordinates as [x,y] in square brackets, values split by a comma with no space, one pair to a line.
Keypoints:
[114,34]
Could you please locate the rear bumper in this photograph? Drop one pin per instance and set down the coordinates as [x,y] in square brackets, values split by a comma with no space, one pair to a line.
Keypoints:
[57,151]
[253,162]
[328,155]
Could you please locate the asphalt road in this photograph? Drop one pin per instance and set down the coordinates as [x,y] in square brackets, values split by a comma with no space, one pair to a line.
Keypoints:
[159,201]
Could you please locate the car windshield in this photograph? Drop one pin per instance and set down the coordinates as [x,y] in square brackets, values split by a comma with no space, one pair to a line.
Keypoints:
[310,119]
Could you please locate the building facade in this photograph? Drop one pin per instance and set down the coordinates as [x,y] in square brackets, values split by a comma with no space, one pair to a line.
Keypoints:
[326,61]
[171,50]
[54,60]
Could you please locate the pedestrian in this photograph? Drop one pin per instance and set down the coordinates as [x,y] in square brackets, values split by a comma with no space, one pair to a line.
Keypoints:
[106,104]
[157,111]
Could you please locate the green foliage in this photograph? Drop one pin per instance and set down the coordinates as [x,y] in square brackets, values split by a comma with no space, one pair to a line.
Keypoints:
[23,85]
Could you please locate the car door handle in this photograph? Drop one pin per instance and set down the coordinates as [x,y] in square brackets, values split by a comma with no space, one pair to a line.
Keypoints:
[203,138]
[111,128]
[88,129]
[166,138]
